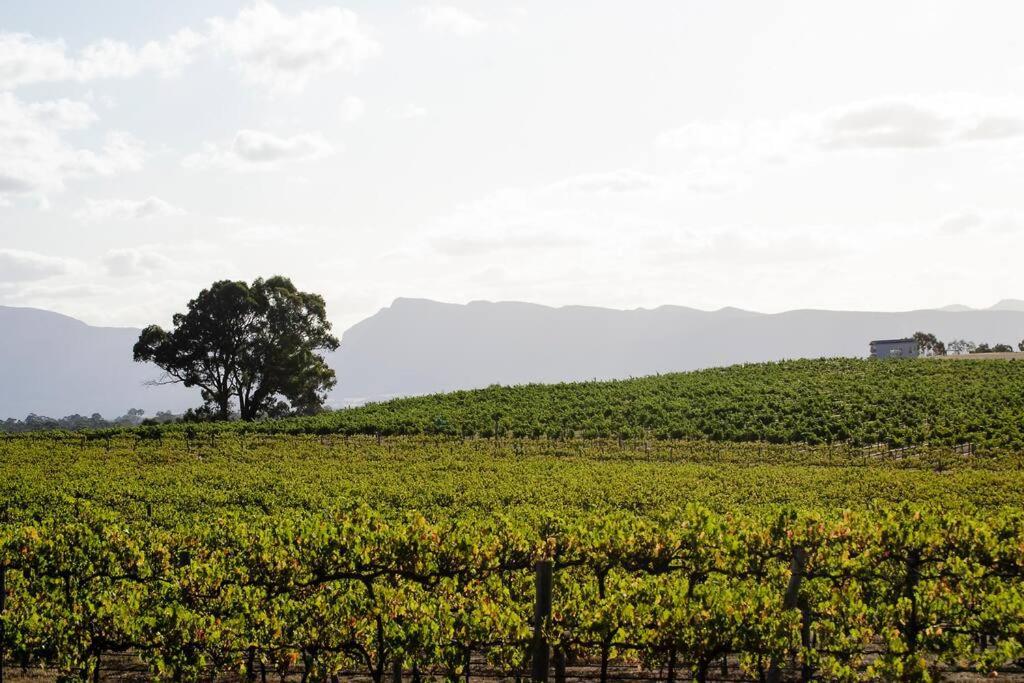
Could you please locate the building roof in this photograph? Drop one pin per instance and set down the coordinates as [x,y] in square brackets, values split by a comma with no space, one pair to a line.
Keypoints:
[893,341]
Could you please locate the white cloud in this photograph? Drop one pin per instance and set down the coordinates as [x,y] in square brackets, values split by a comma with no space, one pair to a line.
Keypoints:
[746,245]
[25,266]
[724,155]
[113,59]
[134,262]
[729,153]
[960,223]
[977,222]
[582,212]
[258,147]
[407,112]
[285,52]
[120,152]
[63,114]
[352,109]
[259,233]
[36,159]
[620,181]
[994,128]
[894,125]
[919,123]
[449,19]
[243,231]
[509,238]
[259,150]
[913,123]
[15,183]
[271,48]
[25,59]
[704,141]
[621,223]
[151,207]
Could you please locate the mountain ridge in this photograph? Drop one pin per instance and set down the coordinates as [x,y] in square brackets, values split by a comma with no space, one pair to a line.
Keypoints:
[54,364]
[423,346]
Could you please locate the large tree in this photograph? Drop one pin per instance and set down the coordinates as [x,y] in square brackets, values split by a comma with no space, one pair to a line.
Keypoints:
[959,347]
[929,345]
[253,345]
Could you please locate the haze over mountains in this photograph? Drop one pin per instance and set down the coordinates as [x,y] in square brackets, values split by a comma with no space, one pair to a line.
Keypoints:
[417,346]
[55,365]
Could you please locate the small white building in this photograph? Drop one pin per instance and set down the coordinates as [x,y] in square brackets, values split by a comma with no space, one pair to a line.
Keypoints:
[895,348]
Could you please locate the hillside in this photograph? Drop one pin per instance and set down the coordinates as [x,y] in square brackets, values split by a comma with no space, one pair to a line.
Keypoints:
[806,401]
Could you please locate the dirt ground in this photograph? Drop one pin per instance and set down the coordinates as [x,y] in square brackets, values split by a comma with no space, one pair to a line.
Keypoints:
[1014,355]
[127,668]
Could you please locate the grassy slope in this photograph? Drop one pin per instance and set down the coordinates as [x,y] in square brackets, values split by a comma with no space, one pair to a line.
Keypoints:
[810,401]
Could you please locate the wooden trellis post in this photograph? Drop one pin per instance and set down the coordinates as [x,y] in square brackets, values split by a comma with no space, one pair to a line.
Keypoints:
[541,615]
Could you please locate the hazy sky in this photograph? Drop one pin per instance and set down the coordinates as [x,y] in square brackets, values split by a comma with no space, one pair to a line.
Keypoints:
[766,155]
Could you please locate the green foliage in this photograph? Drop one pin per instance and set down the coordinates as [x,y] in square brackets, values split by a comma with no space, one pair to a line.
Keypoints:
[864,402]
[251,344]
[256,551]
[35,423]
[929,345]
[351,592]
[993,348]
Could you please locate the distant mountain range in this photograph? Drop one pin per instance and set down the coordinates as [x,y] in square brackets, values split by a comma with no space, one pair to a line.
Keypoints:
[55,365]
[1009,305]
[417,346]
[1004,305]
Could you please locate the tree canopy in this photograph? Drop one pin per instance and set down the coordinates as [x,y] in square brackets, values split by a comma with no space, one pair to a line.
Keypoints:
[250,346]
[929,345]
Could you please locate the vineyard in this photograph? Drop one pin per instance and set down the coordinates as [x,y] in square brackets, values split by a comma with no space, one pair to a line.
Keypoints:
[321,558]
[908,402]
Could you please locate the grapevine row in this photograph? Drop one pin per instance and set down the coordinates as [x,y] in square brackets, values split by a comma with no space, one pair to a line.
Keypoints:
[326,593]
[824,401]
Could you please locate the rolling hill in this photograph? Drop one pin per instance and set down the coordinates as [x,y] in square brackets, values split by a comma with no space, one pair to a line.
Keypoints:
[895,402]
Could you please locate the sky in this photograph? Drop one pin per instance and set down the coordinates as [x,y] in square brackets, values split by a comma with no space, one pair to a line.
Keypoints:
[759,154]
